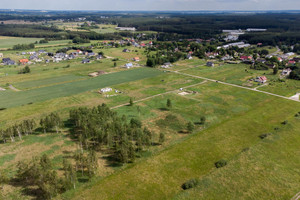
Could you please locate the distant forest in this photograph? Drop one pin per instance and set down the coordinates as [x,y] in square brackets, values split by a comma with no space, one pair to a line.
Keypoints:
[282,27]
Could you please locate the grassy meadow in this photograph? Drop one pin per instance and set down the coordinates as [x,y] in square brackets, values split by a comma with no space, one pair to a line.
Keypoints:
[8,42]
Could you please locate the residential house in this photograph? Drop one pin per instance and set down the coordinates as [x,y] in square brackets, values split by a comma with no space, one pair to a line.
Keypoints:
[128,65]
[261,79]
[103,90]
[286,72]
[291,62]
[126,50]
[189,56]
[23,61]
[8,61]
[84,61]
[91,54]
[99,57]
[1,55]
[136,59]
[243,58]
[210,64]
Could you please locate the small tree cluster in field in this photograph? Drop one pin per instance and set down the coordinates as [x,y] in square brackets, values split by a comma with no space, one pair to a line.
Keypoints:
[190,127]
[263,136]
[25,70]
[297,114]
[169,104]
[100,127]
[190,184]
[202,120]
[50,122]
[220,163]
[26,127]
[284,122]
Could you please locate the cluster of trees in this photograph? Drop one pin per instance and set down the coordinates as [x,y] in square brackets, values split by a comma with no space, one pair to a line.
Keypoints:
[25,70]
[50,122]
[23,46]
[101,128]
[26,127]
[79,40]
[295,74]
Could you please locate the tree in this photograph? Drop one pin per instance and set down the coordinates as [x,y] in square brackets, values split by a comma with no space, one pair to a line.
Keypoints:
[202,120]
[190,127]
[169,104]
[161,138]
[275,70]
[115,64]
[150,62]
[130,102]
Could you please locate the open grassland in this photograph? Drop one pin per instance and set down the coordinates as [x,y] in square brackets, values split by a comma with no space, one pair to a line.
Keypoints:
[286,88]
[11,99]
[9,42]
[267,170]
[161,176]
[54,43]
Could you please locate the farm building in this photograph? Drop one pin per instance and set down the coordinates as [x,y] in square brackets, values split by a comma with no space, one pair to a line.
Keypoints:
[1,55]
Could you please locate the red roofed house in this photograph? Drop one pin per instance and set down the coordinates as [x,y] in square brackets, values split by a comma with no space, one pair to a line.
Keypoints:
[24,61]
[261,79]
[291,62]
[246,57]
[136,59]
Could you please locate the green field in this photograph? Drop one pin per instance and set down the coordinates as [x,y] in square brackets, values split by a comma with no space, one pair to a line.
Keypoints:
[244,116]
[11,99]
[9,42]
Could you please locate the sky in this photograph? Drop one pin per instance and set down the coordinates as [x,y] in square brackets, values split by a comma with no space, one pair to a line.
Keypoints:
[151,5]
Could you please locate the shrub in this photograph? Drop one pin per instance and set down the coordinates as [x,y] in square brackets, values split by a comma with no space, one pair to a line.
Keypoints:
[220,163]
[190,184]
[263,136]
[284,122]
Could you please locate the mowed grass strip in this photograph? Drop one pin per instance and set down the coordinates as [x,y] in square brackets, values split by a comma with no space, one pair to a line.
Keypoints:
[161,176]
[12,99]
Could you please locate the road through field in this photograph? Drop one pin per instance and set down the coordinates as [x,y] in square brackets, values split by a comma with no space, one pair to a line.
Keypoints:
[252,89]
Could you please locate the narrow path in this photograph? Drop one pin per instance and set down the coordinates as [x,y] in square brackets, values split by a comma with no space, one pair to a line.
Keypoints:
[295,97]
[260,86]
[296,197]
[13,88]
[144,99]
[212,80]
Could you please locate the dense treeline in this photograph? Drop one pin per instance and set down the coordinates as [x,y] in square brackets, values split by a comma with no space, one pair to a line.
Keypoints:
[23,46]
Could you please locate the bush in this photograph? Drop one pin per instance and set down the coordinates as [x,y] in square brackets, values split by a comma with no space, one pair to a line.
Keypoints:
[263,136]
[220,163]
[284,122]
[190,184]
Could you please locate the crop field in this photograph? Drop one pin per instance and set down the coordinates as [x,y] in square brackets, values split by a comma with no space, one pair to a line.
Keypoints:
[9,42]
[11,99]
[246,116]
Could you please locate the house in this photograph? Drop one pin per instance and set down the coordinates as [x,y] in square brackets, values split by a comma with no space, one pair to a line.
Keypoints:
[261,79]
[261,60]
[125,50]
[79,51]
[291,62]
[128,65]
[227,57]
[279,59]
[4,60]
[24,61]
[1,55]
[243,58]
[99,57]
[91,54]
[71,56]
[286,72]
[103,90]
[42,51]
[136,59]
[47,61]
[84,61]
[10,62]
[210,64]
[189,56]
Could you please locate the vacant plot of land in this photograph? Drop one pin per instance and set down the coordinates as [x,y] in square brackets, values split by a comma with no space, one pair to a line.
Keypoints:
[11,99]
[47,81]
[54,43]
[251,114]
[9,42]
